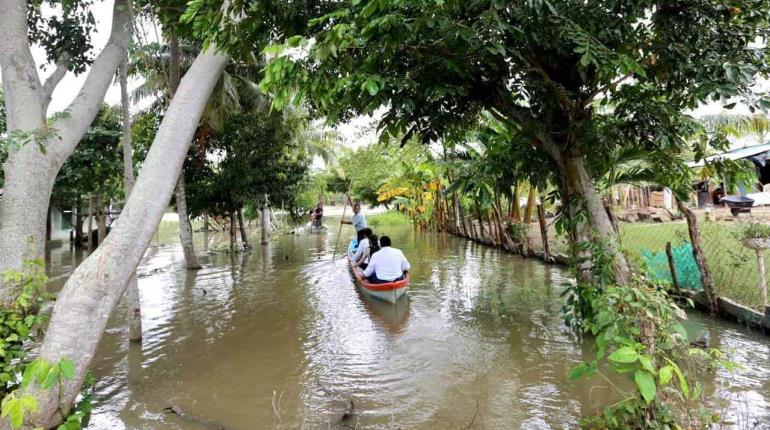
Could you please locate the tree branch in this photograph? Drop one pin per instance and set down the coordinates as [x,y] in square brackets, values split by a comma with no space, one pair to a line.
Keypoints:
[612,84]
[50,84]
[20,79]
[83,109]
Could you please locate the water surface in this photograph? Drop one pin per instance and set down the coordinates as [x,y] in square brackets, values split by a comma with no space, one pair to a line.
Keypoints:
[281,338]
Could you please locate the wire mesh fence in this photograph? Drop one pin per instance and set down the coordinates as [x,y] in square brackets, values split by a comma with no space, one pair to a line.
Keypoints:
[733,267]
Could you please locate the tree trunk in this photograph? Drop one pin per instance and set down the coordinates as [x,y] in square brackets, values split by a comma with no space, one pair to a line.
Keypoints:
[577,186]
[516,201]
[29,172]
[543,232]
[233,227]
[90,239]
[531,203]
[101,222]
[700,256]
[133,303]
[244,236]
[481,221]
[265,225]
[185,228]
[89,296]
[78,225]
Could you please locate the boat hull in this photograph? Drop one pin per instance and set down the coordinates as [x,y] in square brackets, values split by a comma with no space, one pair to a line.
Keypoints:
[390,292]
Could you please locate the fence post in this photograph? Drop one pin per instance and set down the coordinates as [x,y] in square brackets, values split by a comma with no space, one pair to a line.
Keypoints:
[672,266]
[700,256]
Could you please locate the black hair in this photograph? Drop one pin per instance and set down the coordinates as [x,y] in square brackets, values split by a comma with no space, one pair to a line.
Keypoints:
[374,244]
[367,231]
[384,241]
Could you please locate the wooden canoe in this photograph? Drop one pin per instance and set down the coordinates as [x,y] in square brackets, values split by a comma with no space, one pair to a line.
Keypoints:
[389,292]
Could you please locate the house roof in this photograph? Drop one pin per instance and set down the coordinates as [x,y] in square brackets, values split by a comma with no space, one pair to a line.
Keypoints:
[734,154]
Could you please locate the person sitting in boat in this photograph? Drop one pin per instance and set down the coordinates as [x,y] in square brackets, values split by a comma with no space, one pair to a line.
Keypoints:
[363,246]
[373,246]
[387,265]
[358,221]
[317,213]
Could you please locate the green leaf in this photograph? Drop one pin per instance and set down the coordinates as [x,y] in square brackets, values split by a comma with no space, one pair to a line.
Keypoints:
[371,86]
[665,375]
[624,355]
[646,384]
[50,378]
[647,363]
[579,370]
[295,41]
[67,368]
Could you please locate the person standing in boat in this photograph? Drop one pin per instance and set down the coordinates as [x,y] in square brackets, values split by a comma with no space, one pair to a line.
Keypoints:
[388,264]
[358,221]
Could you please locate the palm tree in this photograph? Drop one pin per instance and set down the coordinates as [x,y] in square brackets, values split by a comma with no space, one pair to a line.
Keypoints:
[737,125]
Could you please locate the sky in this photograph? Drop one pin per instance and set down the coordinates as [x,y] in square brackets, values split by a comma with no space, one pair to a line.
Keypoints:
[356,133]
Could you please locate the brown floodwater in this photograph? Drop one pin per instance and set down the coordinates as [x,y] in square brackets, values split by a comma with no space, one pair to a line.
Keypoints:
[281,338]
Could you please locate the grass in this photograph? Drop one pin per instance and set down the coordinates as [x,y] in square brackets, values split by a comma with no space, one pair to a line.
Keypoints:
[387,219]
[733,267]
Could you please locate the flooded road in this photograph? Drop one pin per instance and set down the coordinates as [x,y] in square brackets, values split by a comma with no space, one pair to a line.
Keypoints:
[281,338]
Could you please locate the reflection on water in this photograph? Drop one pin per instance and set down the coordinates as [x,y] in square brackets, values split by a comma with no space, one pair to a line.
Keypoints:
[281,337]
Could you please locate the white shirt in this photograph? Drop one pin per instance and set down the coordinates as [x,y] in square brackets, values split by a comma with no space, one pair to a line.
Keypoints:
[387,263]
[362,247]
[358,221]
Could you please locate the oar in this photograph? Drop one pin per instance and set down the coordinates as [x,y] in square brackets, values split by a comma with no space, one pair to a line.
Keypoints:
[339,232]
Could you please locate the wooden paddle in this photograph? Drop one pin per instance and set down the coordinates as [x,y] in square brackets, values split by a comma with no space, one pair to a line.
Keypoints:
[344,208]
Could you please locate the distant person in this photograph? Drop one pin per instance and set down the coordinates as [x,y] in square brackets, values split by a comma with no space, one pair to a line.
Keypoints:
[358,221]
[373,246]
[317,214]
[386,265]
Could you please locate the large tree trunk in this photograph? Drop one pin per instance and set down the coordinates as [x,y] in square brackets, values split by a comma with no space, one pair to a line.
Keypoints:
[515,201]
[133,303]
[244,235]
[531,203]
[30,172]
[185,228]
[578,187]
[89,296]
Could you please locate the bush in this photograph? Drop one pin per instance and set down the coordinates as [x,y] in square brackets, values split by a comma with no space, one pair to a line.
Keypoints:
[387,219]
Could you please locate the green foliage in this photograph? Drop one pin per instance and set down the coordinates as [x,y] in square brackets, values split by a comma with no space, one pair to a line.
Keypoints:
[95,168]
[258,156]
[636,333]
[755,230]
[65,34]
[518,231]
[19,322]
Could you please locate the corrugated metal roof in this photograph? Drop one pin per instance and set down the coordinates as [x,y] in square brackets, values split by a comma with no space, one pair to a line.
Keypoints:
[734,154]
